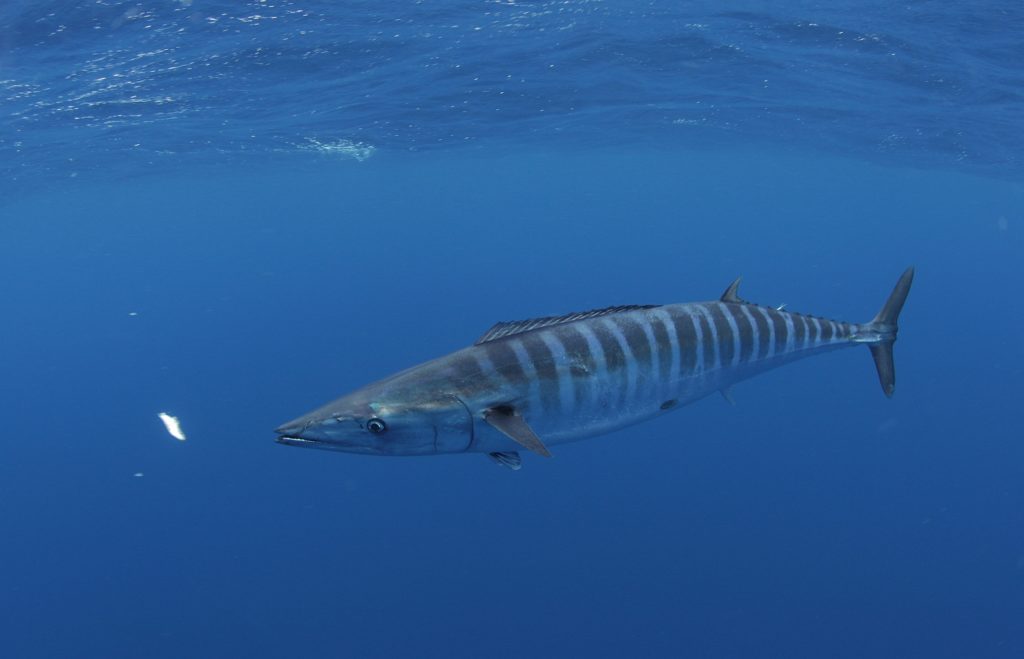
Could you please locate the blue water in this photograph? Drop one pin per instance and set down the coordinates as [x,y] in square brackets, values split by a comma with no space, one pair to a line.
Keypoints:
[233,212]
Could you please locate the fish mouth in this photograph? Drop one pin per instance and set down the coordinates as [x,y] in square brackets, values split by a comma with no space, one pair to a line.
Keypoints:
[295,439]
[291,434]
[292,440]
[294,433]
[326,444]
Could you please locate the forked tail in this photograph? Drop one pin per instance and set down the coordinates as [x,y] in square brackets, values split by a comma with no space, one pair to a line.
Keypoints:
[880,333]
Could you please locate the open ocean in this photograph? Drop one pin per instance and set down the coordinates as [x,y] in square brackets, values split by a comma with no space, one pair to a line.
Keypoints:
[233,212]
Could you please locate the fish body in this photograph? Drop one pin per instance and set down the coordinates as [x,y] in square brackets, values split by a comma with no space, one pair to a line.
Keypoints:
[547,381]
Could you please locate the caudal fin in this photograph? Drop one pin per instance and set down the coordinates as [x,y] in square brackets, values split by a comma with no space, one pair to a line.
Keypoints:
[883,332]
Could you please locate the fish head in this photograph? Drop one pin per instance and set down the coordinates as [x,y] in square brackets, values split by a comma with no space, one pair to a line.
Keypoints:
[373,421]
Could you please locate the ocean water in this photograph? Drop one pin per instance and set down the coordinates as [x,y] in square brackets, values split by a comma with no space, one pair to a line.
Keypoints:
[232,212]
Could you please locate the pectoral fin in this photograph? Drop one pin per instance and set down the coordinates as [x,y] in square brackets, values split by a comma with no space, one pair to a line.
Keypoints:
[513,426]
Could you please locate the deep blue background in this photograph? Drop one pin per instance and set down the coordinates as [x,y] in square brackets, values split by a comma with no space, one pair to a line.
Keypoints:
[234,211]
[816,518]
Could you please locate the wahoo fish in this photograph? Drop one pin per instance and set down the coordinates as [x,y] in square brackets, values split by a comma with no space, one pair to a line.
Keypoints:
[533,384]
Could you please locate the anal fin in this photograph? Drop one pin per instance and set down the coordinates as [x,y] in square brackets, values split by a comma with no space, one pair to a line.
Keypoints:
[511,424]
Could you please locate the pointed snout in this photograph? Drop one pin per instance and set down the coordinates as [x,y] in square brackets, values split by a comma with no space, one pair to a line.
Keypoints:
[293,427]
[288,433]
[301,432]
[298,426]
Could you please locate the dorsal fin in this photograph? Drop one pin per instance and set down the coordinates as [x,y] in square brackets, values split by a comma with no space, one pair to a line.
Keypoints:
[503,329]
[732,294]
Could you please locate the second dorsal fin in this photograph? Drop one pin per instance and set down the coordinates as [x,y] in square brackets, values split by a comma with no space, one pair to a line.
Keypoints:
[732,294]
[503,329]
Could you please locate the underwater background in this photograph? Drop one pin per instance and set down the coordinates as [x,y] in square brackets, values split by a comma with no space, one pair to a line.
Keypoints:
[233,212]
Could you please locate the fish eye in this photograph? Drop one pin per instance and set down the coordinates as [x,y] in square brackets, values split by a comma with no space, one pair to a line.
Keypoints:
[376,426]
